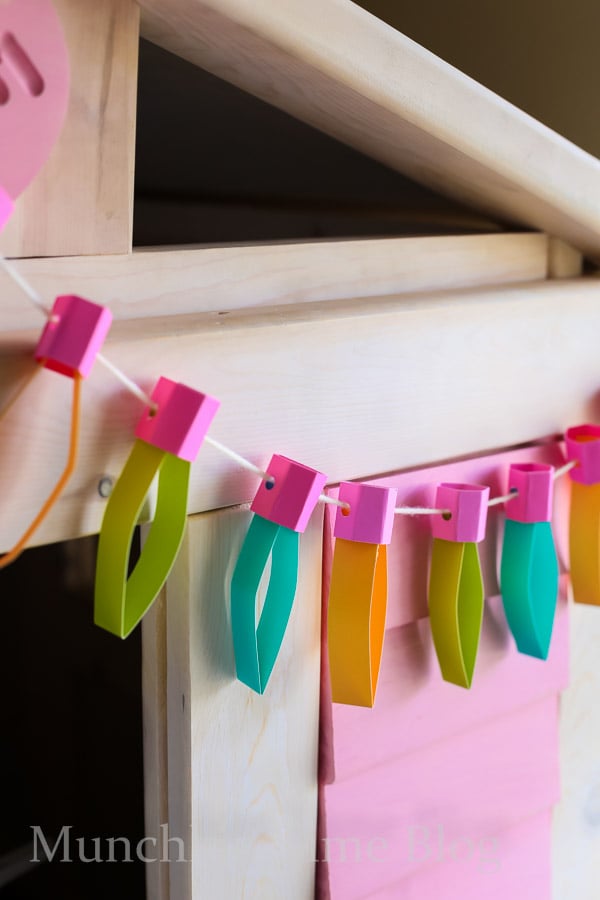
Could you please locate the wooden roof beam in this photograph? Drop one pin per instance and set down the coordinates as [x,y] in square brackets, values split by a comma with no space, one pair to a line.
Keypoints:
[343,71]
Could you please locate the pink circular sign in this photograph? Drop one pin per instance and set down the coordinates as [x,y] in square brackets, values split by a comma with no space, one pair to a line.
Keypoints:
[34,92]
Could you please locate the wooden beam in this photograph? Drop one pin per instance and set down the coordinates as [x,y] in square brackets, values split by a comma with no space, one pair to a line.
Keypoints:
[82,201]
[340,69]
[352,388]
[167,281]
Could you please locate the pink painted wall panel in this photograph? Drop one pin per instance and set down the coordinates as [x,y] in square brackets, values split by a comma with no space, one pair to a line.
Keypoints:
[515,865]
[470,787]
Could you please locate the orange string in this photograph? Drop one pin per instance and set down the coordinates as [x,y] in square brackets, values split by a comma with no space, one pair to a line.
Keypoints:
[20,390]
[60,484]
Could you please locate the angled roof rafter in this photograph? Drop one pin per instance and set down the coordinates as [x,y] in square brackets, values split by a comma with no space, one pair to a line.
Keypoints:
[340,69]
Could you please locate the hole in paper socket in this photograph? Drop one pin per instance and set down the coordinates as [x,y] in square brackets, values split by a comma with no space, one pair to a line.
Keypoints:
[345,510]
[446,516]
[19,61]
[270,483]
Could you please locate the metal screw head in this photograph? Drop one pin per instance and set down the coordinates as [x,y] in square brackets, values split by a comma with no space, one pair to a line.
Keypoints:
[105,486]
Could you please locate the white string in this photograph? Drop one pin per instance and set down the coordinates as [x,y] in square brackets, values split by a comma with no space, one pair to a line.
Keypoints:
[27,289]
[564,469]
[265,476]
[131,386]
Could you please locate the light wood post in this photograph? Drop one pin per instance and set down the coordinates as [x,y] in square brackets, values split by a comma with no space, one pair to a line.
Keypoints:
[82,200]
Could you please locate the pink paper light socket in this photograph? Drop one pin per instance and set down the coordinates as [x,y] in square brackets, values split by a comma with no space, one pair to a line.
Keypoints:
[181,420]
[371,516]
[583,445]
[292,498]
[533,500]
[73,336]
[6,207]
[468,506]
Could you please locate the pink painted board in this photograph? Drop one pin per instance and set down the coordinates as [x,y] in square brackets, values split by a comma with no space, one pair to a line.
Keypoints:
[291,498]
[34,89]
[415,707]
[476,784]
[517,865]
[409,550]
